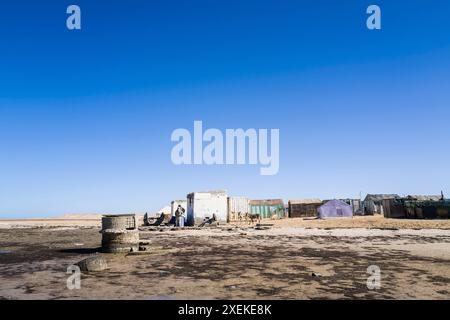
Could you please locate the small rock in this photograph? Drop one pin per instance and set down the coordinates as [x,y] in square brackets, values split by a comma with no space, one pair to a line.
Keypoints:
[316,274]
[232,287]
[93,264]
[173,290]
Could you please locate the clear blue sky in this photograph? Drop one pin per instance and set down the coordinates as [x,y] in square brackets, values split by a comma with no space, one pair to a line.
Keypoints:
[86,116]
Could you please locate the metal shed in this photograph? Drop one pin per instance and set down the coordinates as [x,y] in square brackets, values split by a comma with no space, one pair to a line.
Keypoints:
[373,203]
[268,208]
[238,208]
[408,208]
[356,205]
[303,208]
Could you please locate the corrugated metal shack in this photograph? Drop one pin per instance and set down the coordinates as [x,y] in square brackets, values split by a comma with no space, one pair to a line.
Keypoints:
[238,208]
[411,208]
[268,208]
[356,205]
[304,208]
[373,203]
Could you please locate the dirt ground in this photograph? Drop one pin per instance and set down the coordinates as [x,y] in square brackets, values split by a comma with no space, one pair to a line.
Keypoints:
[297,259]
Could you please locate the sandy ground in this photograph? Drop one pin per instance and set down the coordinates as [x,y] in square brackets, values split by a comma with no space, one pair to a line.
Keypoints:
[369,222]
[234,263]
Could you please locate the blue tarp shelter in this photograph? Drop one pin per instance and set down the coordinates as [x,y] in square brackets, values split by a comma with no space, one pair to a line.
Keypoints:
[335,209]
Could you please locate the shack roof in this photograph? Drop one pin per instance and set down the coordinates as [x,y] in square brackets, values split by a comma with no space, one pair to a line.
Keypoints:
[267,202]
[212,192]
[424,198]
[305,201]
[179,201]
[118,215]
[375,197]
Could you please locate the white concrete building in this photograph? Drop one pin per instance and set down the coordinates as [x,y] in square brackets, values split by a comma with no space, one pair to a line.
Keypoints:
[174,205]
[203,205]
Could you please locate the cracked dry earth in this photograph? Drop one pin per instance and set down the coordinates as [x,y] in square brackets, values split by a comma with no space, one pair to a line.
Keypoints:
[230,264]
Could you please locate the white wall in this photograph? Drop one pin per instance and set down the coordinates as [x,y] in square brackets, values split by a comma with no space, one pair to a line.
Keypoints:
[204,204]
[176,203]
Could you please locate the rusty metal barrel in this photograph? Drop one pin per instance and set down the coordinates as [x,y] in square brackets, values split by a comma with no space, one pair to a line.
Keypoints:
[120,233]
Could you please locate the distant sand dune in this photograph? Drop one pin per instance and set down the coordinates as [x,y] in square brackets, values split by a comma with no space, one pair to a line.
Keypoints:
[73,220]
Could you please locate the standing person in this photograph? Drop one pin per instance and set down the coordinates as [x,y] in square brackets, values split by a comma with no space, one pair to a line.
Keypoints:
[179,215]
[146,219]
[183,217]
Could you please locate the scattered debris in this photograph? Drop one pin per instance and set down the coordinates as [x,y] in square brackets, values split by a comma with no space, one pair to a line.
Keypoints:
[261,226]
[209,222]
[162,220]
[140,253]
